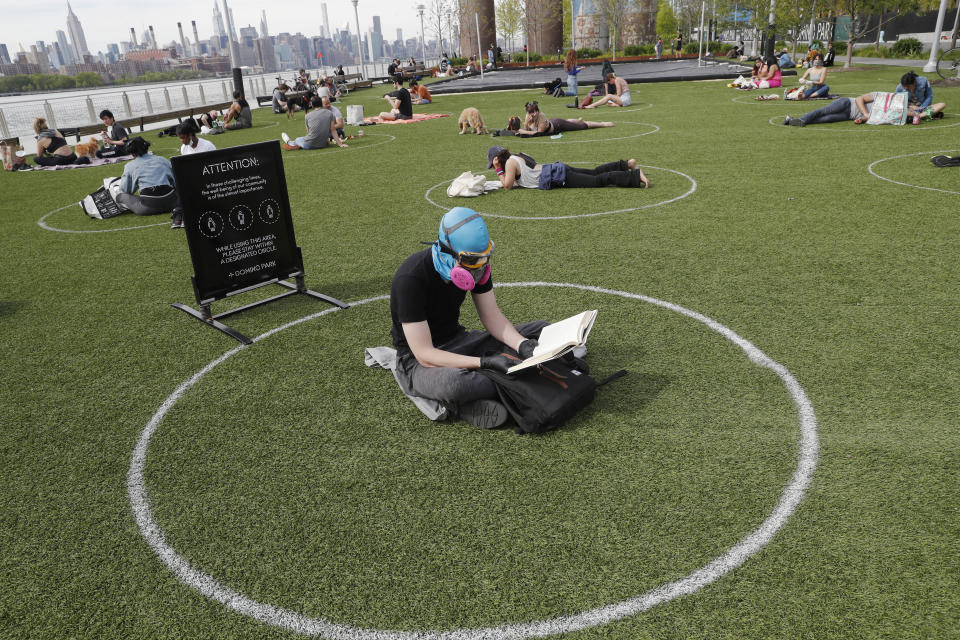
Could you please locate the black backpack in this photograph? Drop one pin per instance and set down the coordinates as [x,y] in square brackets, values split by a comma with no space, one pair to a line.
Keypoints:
[543,398]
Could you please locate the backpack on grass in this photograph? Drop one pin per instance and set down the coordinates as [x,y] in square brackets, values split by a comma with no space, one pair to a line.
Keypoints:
[543,398]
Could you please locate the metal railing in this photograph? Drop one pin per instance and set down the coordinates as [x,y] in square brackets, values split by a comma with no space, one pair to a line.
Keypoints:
[82,108]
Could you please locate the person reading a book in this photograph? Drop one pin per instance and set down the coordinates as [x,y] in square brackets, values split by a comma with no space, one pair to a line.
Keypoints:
[437,357]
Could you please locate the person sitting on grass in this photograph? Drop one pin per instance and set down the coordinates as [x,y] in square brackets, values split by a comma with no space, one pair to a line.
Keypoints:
[419,94]
[816,78]
[785,61]
[189,142]
[856,109]
[238,115]
[769,76]
[570,66]
[281,104]
[401,107]
[514,171]
[437,358]
[52,147]
[147,186]
[114,138]
[321,129]
[536,124]
[337,116]
[921,105]
[620,97]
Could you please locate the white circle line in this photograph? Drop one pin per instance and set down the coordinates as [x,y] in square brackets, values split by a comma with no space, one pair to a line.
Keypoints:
[330,149]
[907,184]
[43,225]
[636,135]
[693,187]
[735,556]
[866,127]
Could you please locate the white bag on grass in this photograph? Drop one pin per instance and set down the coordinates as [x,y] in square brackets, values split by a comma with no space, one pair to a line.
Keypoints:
[354,114]
[467,185]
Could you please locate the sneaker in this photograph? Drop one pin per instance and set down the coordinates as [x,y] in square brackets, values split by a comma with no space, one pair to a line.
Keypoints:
[484,414]
[285,138]
[938,115]
[786,120]
[176,221]
[797,122]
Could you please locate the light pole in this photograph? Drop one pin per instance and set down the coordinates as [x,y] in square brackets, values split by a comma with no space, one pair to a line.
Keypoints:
[423,41]
[935,45]
[356,17]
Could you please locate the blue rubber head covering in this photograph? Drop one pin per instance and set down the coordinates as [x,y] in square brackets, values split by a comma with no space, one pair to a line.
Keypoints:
[461,229]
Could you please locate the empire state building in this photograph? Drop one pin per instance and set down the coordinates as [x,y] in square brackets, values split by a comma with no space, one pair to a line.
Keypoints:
[77,39]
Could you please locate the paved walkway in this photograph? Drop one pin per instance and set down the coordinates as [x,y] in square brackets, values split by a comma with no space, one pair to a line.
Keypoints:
[632,72]
[839,61]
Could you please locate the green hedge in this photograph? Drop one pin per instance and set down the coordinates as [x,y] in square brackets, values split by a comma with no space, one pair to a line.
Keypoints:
[638,50]
[522,57]
[907,48]
[587,52]
[458,62]
[714,46]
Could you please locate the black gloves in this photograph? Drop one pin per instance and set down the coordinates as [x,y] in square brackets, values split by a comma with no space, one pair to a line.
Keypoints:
[526,348]
[497,362]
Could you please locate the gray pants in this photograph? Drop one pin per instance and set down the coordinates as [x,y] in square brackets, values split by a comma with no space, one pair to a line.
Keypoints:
[450,385]
[152,200]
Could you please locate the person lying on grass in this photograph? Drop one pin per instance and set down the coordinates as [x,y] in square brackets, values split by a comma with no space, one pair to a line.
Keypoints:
[856,109]
[537,124]
[514,171]
[321,129]
[437,358]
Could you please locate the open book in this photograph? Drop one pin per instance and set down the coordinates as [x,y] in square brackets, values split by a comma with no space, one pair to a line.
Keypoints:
[559,338]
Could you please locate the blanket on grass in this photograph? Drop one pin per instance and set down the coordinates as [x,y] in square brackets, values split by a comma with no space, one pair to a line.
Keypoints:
[417,117]
[94,162]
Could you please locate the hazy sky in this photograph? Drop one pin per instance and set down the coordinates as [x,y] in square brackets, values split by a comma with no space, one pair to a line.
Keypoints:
[106,21]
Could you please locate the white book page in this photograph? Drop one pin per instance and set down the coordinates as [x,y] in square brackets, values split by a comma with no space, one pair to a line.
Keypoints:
[562,333]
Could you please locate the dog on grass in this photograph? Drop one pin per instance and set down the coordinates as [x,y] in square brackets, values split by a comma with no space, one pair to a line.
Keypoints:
[471,118]
[88,149]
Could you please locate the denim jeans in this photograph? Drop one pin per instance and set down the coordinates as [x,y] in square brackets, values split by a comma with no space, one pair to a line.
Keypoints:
[836,111]
[571,85]
[816,91]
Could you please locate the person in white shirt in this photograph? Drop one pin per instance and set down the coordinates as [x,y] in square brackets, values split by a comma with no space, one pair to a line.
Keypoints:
[189,142]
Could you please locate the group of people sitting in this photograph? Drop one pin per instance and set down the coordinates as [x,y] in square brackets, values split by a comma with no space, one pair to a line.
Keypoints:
[325,88]
[920,105]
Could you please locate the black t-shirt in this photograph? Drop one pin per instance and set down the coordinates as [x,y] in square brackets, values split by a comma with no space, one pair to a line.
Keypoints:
[419,293]
[406,106]
[391,69]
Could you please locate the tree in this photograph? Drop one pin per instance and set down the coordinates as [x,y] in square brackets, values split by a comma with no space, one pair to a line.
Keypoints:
[439,10]
[666,21]
[614,14]
[860,10]
[509,15]
[88,79]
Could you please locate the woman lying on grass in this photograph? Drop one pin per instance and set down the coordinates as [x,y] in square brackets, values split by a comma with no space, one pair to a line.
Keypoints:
[856,109]
[522,171]
[537,124]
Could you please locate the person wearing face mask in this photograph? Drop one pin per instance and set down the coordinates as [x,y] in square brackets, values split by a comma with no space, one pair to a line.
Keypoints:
[437,358]
[816,78]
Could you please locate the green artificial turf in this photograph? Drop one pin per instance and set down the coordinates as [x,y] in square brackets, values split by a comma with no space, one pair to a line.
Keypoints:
[298,477]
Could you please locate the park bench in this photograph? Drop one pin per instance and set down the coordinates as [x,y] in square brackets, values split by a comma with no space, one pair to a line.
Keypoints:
[130,123]
[352,81]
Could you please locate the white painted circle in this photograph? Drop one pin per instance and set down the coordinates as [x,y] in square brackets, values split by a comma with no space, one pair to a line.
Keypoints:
[613,110]
[578,141]
[732,558]
[43,223]
[908,155]
[778,122]
[693,187]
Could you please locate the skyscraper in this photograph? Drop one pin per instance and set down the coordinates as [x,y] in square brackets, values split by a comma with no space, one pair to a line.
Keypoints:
[219,30]
[4,54]
[326,22]
[263,24]
[66,51]
[77,38]
[376,24]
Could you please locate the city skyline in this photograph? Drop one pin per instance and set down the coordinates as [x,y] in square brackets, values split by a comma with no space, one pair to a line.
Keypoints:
[28,25]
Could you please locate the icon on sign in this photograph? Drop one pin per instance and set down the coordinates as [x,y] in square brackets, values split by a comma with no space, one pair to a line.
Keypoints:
[210,224]
[269,211]
[241,218]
